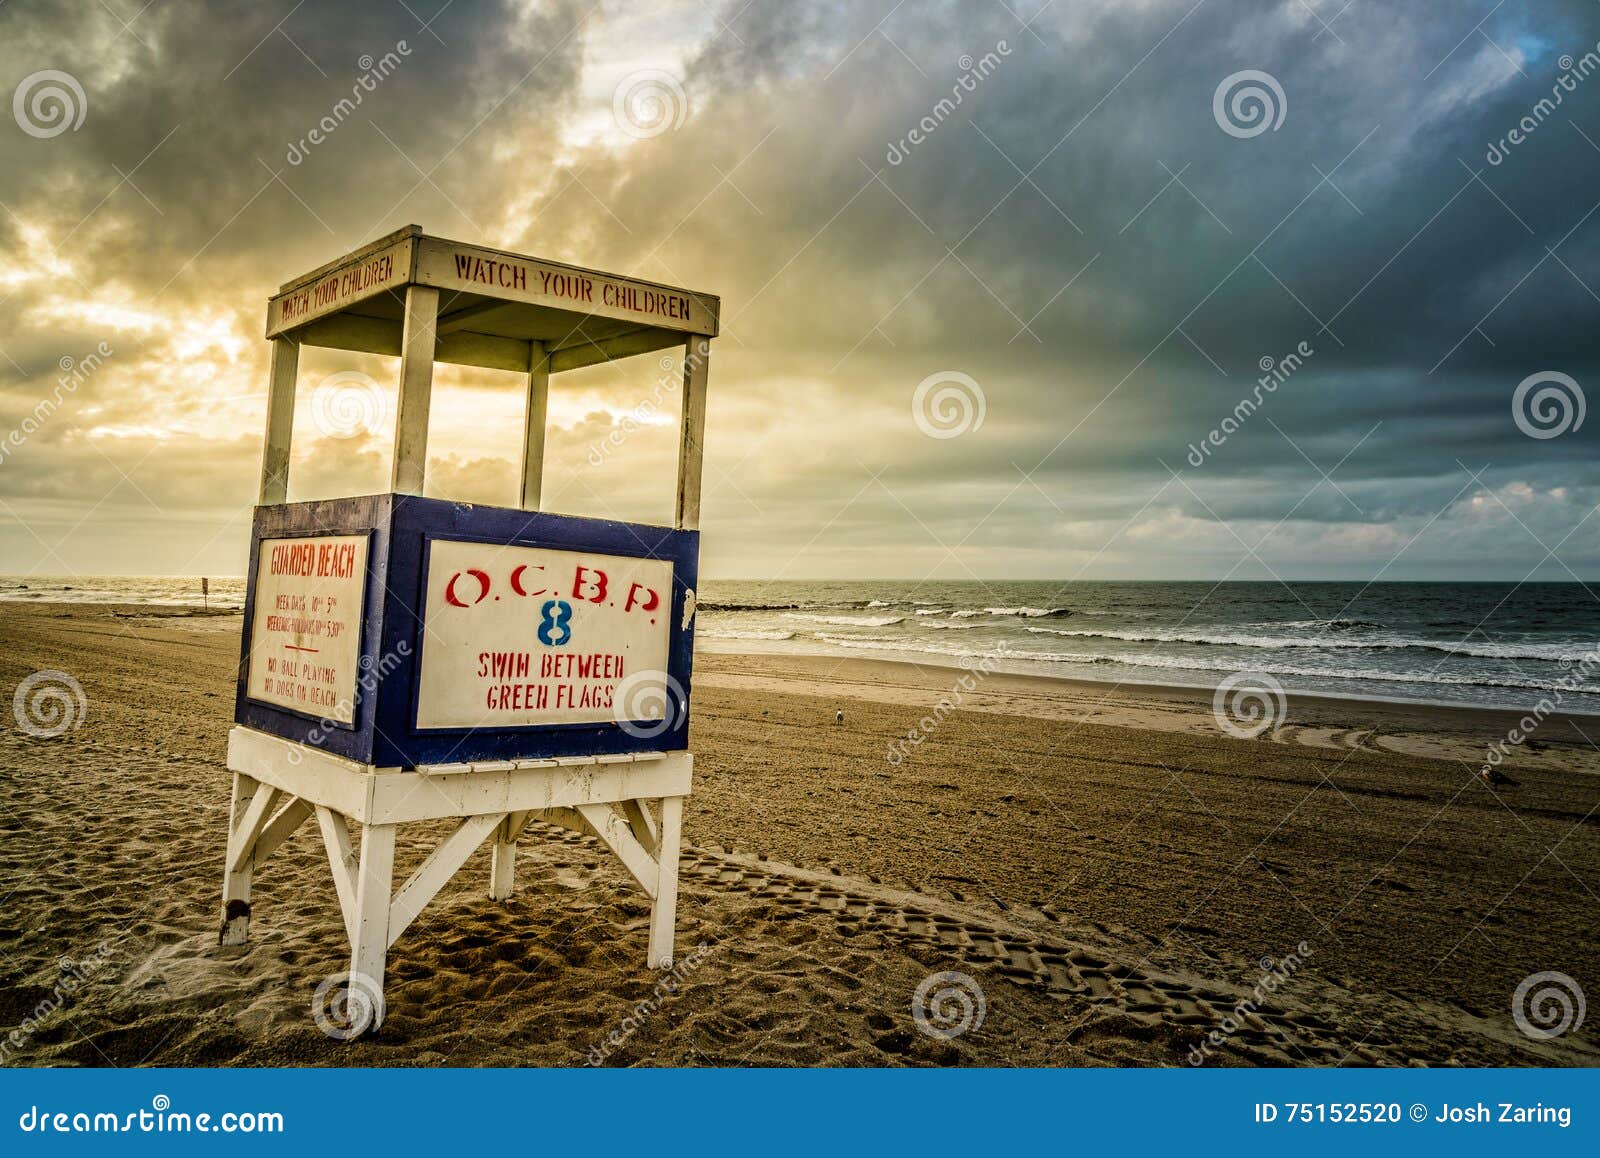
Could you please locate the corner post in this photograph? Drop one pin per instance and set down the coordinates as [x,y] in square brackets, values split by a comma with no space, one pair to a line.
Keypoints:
[503,860]
[369,940]
[417,345]
[236,885]
[280,421]
[664,910]
[533,429]
[692,433]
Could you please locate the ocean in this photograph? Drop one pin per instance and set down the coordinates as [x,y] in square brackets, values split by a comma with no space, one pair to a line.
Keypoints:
[1485,644]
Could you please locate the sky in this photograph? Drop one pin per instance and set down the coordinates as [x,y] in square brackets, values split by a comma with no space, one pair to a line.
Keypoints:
[1192,290]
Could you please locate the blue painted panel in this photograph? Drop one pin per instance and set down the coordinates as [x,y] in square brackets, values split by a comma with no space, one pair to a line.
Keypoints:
[384,732]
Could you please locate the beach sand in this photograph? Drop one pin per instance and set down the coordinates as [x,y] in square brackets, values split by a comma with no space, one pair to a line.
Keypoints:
[1111,871]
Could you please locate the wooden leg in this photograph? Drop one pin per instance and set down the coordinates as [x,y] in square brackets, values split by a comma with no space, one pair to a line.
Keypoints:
[664,911]
[236,881]
[369,941]
[503,863]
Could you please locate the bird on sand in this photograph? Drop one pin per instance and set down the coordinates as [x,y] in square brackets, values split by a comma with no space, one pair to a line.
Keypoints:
[838,717]
[1495,777]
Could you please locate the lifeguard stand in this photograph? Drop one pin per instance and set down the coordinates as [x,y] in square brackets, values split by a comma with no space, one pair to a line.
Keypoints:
[411,659]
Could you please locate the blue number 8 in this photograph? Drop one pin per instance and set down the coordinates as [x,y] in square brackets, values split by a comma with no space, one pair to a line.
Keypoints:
[555,628]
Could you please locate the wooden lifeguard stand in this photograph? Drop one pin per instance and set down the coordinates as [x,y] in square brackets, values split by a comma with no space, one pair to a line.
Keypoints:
[409,659]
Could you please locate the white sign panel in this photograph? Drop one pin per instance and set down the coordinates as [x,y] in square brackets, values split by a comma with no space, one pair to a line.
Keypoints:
[305,641]
[518,636]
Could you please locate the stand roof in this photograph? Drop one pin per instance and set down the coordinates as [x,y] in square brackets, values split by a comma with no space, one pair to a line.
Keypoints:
[493,306]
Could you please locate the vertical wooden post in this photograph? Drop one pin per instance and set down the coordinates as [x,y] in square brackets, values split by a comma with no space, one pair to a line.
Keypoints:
[369,941]
[280,421]
[691,443]
[236,884]
[533,428]
[503,860]
[416,389]
[664,910]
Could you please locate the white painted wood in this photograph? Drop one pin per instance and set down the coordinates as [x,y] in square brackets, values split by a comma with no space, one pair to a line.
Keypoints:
[384,265]
[281,827]
[342,860]
[615,834]
[435,872]
[389,796]
[664,912]
[416,390]
[637,814]
[369,941]
[242,844]
[384,336]
[398,799]
[236,882]
[503,862]
[577,353]
[460,268]
[533,427]
[280,421]
[343,785]
[692,431]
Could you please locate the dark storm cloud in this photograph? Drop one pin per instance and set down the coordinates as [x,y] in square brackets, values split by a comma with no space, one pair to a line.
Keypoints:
[1076,232]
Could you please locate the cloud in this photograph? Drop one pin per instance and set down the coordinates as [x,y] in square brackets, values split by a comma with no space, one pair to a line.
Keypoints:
[1075,232]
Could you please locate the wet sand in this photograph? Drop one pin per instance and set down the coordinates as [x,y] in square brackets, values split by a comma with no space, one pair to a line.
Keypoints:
[1112,872]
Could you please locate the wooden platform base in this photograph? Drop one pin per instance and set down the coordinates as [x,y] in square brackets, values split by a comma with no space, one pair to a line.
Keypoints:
[279,785]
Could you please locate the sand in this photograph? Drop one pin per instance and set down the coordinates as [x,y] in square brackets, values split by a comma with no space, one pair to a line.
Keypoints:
[1112,873]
